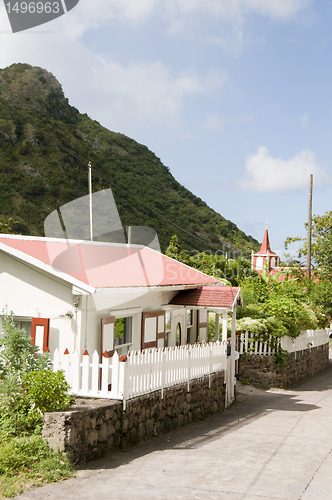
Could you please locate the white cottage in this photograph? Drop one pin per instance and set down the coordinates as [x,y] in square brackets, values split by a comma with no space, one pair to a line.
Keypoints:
[89,296]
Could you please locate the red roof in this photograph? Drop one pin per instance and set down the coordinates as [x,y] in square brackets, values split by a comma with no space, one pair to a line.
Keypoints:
[208,296]
[265,247]
[103,265]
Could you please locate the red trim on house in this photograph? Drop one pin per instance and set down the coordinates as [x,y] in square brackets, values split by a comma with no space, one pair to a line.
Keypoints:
[45,323]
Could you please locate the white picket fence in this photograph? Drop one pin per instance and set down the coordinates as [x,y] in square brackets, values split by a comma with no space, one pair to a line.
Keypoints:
[249,345]
[307,339]
[155,369]
[87,376]
[140,372]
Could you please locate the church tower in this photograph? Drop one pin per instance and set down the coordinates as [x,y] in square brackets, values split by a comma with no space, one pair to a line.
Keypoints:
[265,258]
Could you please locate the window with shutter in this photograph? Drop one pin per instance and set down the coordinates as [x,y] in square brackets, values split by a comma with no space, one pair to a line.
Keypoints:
[107,337]
[153,329]
[40,328]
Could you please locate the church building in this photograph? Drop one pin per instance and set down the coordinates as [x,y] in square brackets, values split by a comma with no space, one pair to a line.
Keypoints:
[265,259]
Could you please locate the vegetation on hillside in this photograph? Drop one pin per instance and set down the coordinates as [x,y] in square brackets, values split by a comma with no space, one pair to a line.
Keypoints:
[41,169]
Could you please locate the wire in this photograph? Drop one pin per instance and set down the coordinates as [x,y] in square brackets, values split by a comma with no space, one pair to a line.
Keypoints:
[68,151]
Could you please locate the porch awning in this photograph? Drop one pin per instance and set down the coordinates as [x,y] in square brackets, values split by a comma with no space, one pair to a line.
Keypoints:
[209,297]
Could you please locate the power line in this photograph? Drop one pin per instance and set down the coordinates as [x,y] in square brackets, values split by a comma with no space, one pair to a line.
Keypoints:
[102,176]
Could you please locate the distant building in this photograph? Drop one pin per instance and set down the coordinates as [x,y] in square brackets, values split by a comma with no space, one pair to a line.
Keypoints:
[265,259]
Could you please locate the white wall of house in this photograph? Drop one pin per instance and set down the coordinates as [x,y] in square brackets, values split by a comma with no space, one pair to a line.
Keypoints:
[123,302]
[29,293]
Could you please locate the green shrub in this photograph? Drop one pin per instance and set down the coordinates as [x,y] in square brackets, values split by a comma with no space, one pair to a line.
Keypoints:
[27,386]
[47,390]
[17,355]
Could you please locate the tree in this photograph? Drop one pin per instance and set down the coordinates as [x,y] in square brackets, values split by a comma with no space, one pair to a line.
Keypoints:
[228,271]
[8,227]
[321,242]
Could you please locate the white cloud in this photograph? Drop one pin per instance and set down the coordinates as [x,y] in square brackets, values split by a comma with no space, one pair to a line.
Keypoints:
[235,9]
[277,9]
[145,95]
[265,173]
[175,13]
[304,120]
[212,122]
[125,97]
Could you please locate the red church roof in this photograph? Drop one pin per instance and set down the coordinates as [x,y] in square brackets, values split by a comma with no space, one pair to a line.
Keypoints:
[265,247]
[103,265]
[209,296]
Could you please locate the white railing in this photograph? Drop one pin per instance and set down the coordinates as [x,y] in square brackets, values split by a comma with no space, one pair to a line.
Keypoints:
[90,377]
[307,339]
[157,369]
[139,372]
[249,345]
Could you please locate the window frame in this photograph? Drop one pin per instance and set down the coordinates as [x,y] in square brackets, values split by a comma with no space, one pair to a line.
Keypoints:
[44,322]
[159,335]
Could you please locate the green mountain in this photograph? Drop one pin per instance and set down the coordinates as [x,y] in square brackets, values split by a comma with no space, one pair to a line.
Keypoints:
[45,145]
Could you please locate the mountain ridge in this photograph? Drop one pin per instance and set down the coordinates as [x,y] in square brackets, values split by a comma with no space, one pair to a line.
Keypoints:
[43,141]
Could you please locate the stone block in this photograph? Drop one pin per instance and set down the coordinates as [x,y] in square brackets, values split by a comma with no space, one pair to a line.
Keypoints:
[110,442]
[149,428]
[125,425]
[71,436]
[110,428]
[103,433]
[134,437]
[108,414]
[141,431]
[116,440]
[92,437]
[162,414]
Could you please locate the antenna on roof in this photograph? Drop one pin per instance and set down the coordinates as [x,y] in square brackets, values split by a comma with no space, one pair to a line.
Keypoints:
[90,200]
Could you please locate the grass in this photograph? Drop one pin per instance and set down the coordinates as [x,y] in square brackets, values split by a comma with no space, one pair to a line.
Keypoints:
[27,462]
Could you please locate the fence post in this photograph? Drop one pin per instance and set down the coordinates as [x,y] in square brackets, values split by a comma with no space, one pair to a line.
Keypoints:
[65,365]
[163,372]
[85,371]
[115,373]
[75,372]
[56,360]
[124,382]
[189,368]
[94,373]
[210,365]
[104,373]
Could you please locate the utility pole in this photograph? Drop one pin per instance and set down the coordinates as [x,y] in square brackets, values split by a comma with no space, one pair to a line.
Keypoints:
[90,200]
[309,230]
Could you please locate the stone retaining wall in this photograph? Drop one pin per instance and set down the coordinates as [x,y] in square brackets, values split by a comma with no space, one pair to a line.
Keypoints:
[301,365]
[93,427]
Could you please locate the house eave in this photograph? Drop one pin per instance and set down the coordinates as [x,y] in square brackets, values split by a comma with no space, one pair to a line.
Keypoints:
[35,263]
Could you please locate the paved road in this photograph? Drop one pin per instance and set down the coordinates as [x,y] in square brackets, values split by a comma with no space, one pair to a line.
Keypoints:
[269,444]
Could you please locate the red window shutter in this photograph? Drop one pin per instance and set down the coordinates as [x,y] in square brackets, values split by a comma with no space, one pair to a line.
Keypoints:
[40,329]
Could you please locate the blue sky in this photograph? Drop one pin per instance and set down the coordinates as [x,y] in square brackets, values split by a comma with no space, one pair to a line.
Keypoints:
[234,96]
